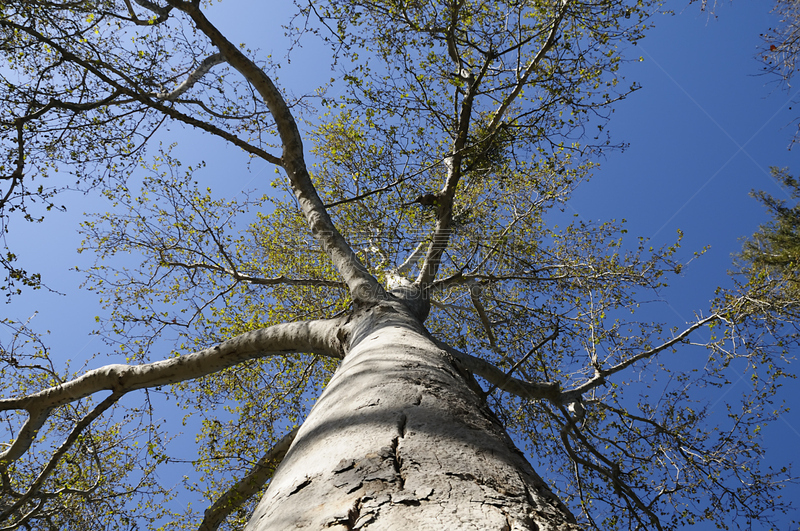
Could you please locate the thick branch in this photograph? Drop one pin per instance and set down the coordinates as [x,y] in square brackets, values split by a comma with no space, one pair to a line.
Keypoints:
[362,285]
[318,337]
[203,68]
[549,390]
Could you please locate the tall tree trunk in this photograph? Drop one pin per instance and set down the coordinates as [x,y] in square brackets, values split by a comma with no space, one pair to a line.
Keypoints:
[400,440]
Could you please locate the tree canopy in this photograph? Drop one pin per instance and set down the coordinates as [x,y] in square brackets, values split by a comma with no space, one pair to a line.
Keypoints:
[430,169]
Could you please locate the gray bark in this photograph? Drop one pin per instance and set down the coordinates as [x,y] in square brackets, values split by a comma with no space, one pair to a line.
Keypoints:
[400,440]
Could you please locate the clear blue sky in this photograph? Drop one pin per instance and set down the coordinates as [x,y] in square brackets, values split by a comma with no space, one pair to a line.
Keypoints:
[703,131]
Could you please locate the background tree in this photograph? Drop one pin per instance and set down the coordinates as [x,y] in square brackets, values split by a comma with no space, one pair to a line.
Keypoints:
[767,268]
[459,125]
[776,246]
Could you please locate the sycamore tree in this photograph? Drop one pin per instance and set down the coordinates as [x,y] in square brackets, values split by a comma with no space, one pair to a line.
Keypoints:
[402,273]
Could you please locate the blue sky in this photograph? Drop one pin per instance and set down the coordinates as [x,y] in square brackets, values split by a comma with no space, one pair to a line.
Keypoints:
[703,131]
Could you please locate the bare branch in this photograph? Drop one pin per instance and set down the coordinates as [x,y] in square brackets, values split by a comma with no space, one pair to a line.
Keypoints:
[369,193]
[600,374]
[271,281]
[141,97]
[497,119]
[444,206]
[611,470]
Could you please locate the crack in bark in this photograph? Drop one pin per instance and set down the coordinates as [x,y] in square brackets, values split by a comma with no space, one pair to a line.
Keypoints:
[397,461]
[300,486]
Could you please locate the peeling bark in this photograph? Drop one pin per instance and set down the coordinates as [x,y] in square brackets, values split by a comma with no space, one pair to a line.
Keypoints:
[401,440]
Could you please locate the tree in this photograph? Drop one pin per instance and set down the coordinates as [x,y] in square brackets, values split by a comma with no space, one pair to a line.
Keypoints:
[769,259]
[409,279]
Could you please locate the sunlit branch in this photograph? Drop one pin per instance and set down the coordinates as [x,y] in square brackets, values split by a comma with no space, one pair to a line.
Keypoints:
[361,283]
[317,336]
[202,69]
[248,486]
[450,34]
[600,375]
[413,257]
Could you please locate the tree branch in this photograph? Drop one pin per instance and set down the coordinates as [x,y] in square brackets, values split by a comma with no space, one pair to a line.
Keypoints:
[362,285]
[261,281]
[317,336]
[601,374]
[141,97]
[194,76]
[444,207]
[32,491]
[523,80]
[611,471]
[487,325]
[549,390]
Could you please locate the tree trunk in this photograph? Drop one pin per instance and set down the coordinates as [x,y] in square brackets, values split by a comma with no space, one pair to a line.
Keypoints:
[400,440]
